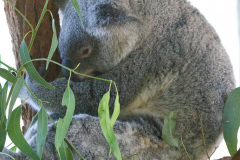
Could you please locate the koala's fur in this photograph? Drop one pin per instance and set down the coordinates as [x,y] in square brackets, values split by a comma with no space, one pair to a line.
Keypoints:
[163,55]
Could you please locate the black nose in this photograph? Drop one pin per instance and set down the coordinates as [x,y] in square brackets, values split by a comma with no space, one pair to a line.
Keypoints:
[68,63]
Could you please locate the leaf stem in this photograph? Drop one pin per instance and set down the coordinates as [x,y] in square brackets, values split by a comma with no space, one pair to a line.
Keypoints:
[72,70]
[185,149]
[203,134]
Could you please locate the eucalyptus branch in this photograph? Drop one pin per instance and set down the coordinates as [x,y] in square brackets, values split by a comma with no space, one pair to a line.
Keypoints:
[19,73]
[38,100]
[71,70]
[185,149]
[203,134]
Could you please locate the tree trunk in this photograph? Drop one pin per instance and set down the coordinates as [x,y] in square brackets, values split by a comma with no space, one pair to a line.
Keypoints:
[18,27]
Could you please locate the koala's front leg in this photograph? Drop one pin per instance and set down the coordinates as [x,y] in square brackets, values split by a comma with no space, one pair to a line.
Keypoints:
[88,94]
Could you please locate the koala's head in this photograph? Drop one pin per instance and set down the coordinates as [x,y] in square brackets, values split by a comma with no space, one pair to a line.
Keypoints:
[113,28]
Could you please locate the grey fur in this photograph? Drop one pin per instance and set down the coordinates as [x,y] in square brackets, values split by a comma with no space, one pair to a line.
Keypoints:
[163,55]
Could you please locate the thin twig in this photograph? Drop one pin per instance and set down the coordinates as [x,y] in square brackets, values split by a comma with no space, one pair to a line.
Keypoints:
[185,149]
[203,135]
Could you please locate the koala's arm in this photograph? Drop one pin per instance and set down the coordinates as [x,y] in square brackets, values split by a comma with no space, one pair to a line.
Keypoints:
[136,137]
[89,93]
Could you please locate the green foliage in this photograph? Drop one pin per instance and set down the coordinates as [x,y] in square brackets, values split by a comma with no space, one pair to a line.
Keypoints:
[3,107]
[116,111]
[42,124]
[64,152]
[15,91]
[14,149]
[12,126]
[53,45]
[26,60]
[78,10]
[231,120]
[63,124]
[15,134]
[168,129]
[105,122]
[6,75]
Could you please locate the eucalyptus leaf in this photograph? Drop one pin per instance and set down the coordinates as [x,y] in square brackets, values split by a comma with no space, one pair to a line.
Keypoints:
[53,45]
[15,93]
[34,120]
[14,149]
[105,123]
[3,132]
[63,124]
[69,154]
[24,54]
[42,124]
[3,99]
[168,129]
[231,120]
[78,10]
[116,111]
[65,153]
[15,134]
[7,75]
[3,119]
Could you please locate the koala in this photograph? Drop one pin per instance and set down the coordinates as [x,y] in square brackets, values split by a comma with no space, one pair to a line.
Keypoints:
[162,55]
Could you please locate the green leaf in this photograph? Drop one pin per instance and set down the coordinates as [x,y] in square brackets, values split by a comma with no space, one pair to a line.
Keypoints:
[14,149]
[105,123]
[231,120]
[16,91]
[78,10]
[3,133]
[15,134]
[30,68]
[63,124]
[41,130]
[69,154]
[34,119]
[7,75]
[116,111]
[168,129]
[3,99]
[65,152]
[53,45]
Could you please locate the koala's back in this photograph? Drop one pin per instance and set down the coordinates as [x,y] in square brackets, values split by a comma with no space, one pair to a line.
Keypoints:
[191,70]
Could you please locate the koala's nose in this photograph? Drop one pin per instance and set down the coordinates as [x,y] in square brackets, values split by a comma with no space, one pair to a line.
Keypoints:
[68,63]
